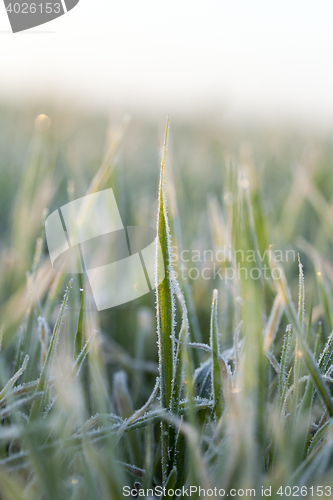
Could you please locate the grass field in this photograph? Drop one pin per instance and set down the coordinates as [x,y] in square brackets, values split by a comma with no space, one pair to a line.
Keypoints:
[222,378]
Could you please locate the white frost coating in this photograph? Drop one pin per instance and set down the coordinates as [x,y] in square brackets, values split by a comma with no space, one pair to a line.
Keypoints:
[195,345]
[273,361]
[214,319]
[42,324]
[148,255]
[326,355]
[162,199]
[301,294]
[284,356]
[204,365]
[178,378]
[82,356]
[52,350]
[12,381]
[291,389]
[136,415]
[43,332]
[162,195]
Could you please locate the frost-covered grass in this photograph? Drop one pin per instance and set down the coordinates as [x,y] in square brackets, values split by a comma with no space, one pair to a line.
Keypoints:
[237,393]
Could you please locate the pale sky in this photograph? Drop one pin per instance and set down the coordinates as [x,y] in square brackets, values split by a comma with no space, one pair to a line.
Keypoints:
[249,56]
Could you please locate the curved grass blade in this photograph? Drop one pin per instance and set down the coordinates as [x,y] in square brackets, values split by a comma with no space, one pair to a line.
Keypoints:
[170,483]
[43,380]
[13,380]
[83,354]
[18,391]
[273,322]
[18,403]
[326,356]
[310,362]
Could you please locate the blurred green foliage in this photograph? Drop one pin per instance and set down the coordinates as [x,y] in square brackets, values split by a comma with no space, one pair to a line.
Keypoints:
[244,399]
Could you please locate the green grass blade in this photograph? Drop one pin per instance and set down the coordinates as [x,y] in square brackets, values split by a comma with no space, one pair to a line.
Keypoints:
[149,457]
[164,291]
[273,323]
[15,377]
[320,434]
[297,359]
[170,483]
[284,361]
[83,354]
[44,378]
[12,489]
[215,346]
[179,360]
[310,362]
[326,356]
[165,308]
[79,337]
[326,300]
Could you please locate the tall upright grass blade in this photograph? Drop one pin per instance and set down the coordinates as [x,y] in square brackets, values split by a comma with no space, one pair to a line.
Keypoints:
[215,346]
[297,358]
[326,300]
[165,306]
[79,337]
[284,362]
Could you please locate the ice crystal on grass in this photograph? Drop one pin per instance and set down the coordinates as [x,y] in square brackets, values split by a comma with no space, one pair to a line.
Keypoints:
[284,359]
[326,356]
[51,353]
[216,415]
[165,301]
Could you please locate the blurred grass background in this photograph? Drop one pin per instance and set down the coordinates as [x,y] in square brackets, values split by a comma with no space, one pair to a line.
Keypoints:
[201,147]
[71,150]
[289,171]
